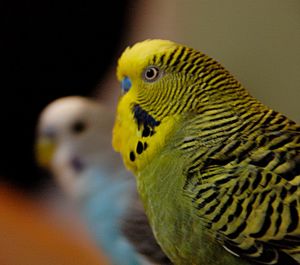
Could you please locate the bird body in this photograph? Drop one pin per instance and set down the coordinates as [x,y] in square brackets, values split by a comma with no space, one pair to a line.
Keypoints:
[104,213]
[219,171]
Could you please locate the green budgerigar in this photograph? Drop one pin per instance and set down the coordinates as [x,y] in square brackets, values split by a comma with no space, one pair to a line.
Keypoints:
[218,171]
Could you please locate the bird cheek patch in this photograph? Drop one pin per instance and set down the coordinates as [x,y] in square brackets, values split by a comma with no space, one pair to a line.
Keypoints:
[142,117]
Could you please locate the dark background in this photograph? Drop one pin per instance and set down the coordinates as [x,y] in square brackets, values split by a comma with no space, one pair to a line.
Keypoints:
[49,50]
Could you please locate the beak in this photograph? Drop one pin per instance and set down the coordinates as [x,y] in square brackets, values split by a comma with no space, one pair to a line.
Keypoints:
[45,148]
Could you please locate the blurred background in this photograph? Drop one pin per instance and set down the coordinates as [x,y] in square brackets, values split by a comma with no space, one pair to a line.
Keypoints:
[50,50]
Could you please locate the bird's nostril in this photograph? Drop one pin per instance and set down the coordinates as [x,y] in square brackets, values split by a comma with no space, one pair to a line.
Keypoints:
[49,133]
[77,164]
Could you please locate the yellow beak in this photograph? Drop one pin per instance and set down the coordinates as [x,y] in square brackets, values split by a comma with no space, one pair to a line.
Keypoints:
[45,149]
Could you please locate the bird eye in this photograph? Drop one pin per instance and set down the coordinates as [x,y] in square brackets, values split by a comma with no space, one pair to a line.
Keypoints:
[151,74]
[78,127]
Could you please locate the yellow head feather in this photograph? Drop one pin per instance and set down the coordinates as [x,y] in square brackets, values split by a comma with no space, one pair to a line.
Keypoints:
[188,81]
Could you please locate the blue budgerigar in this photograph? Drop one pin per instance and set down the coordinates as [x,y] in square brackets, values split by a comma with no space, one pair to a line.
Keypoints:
[74,142]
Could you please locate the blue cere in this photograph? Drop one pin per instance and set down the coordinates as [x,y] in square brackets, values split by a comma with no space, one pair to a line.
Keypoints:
[125,84]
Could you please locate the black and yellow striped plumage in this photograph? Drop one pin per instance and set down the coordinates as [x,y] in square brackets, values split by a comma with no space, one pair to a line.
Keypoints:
[220,175]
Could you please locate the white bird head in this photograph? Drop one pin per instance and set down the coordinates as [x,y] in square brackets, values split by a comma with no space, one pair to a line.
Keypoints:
[73,137]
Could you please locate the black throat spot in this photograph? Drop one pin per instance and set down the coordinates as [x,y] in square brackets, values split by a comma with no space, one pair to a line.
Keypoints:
[145,122]
[143,118]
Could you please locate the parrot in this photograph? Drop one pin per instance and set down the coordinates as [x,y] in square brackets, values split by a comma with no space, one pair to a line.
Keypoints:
[74,145]
[218,171]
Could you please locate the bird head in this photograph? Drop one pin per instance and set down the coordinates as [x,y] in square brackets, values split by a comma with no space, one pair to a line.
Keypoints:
[73,136]
[160,82]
